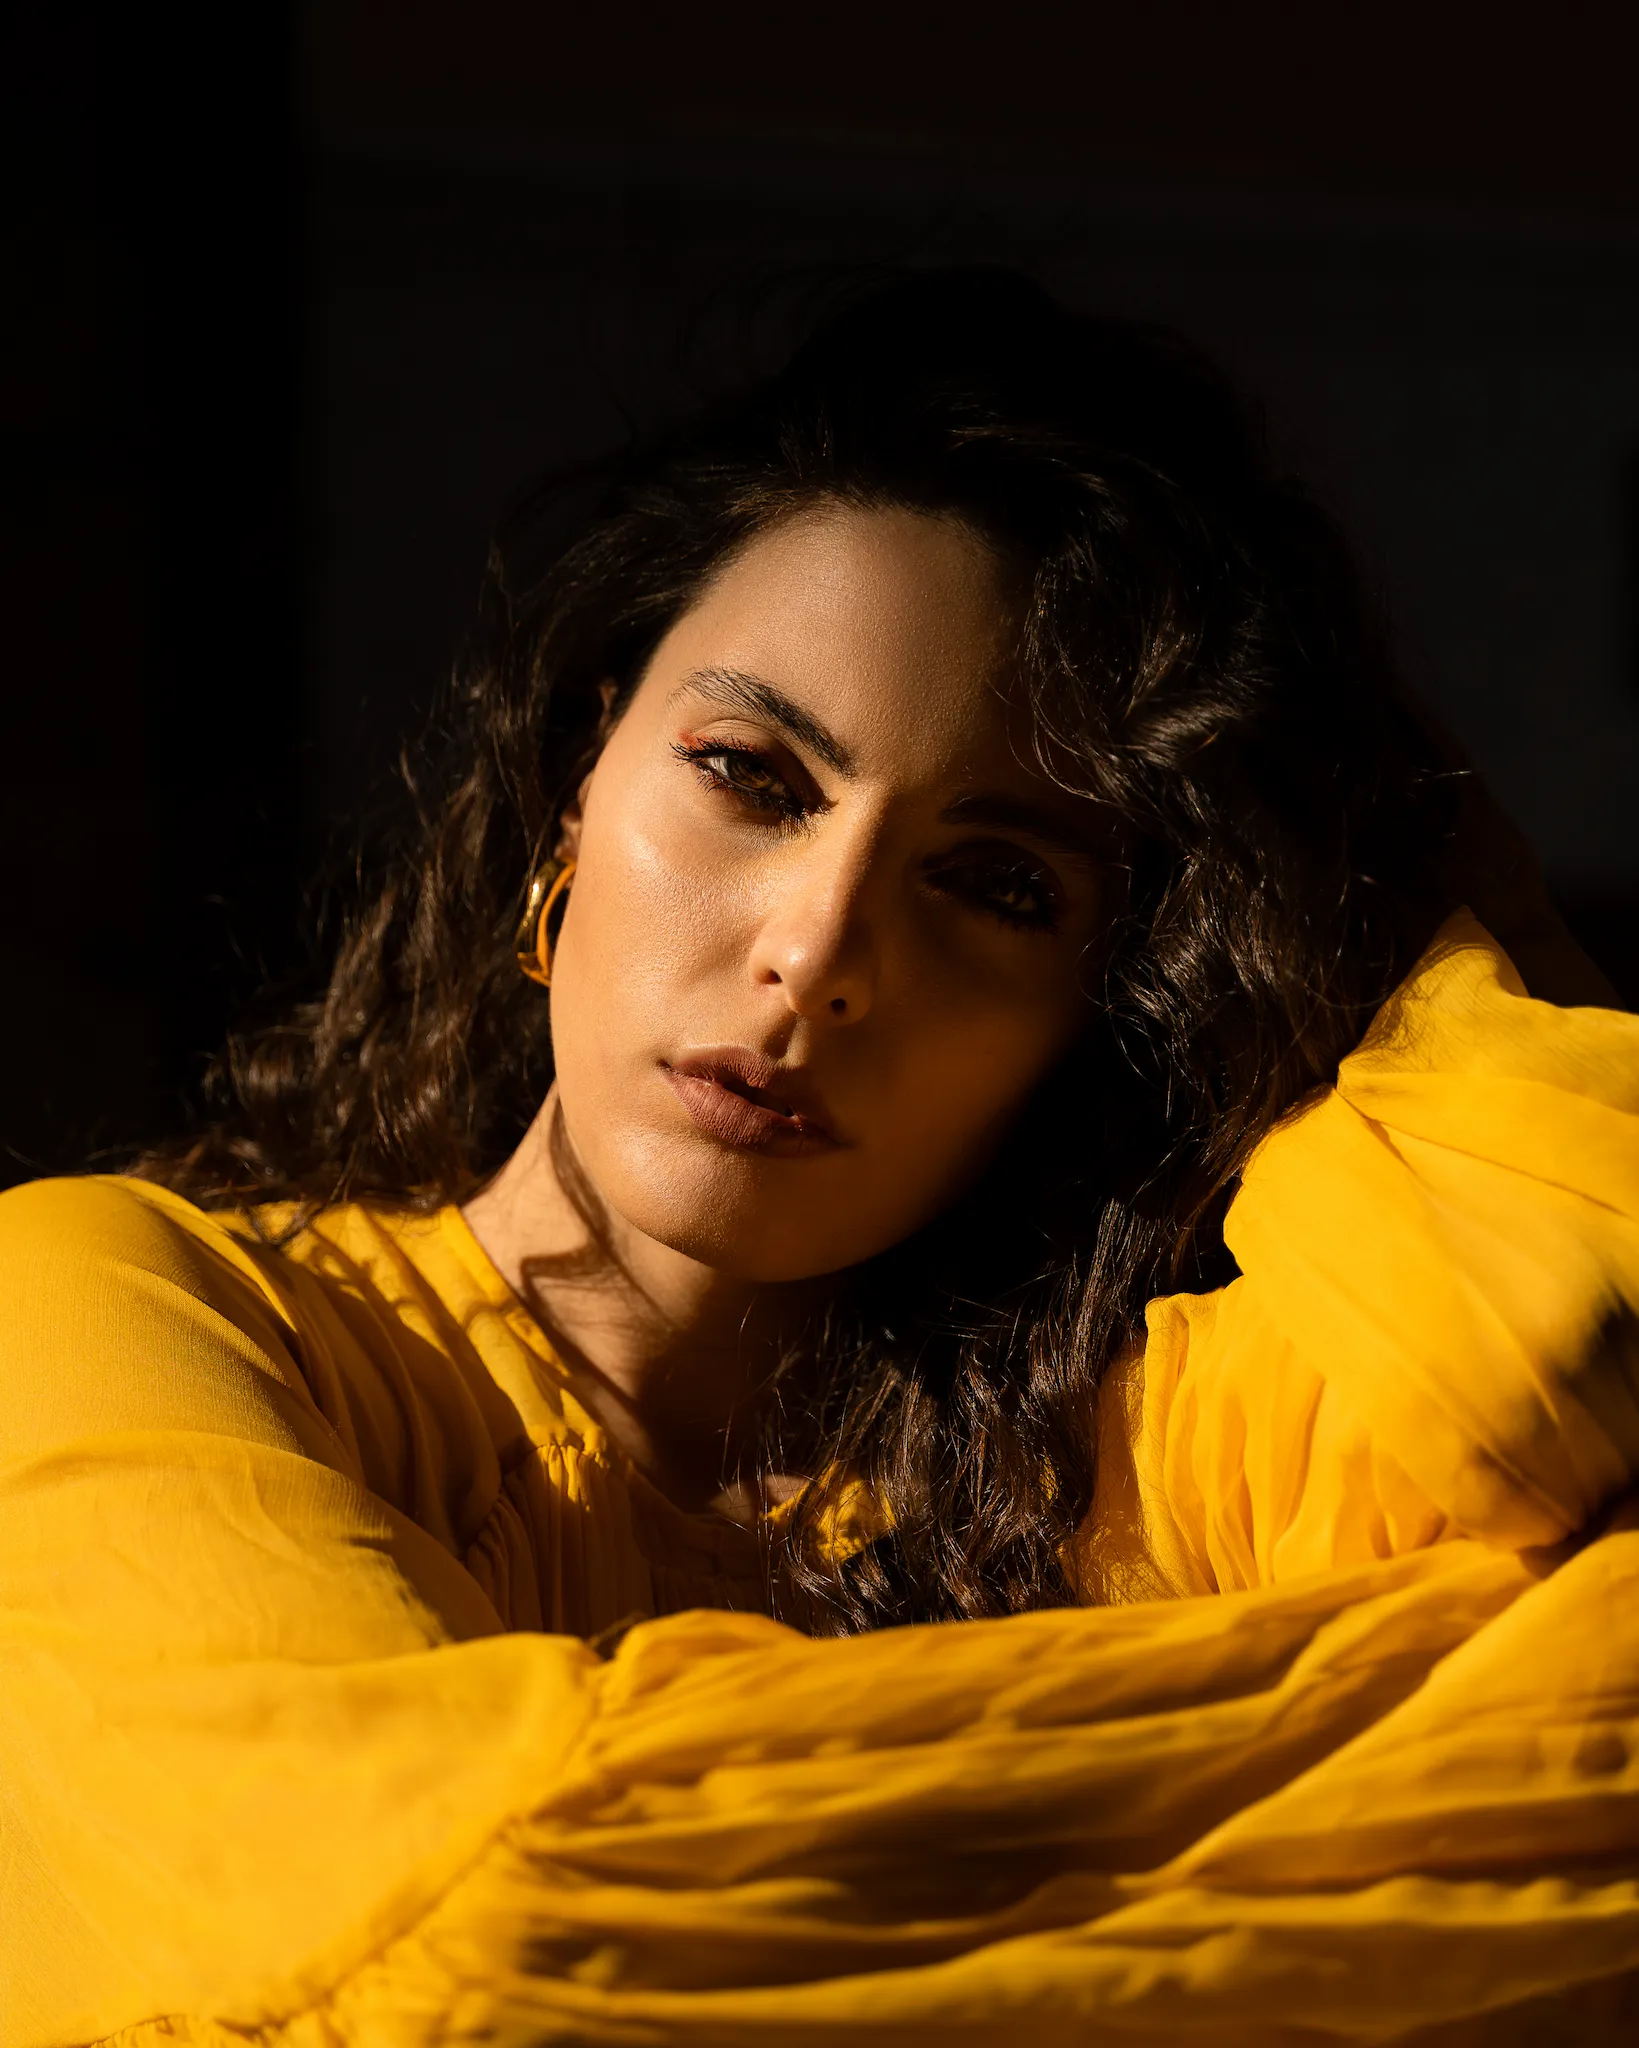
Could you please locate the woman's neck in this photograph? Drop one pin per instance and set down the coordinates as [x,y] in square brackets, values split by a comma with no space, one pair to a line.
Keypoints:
[671,1356]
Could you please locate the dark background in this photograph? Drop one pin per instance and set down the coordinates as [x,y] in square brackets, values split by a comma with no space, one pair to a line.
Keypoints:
[298,300]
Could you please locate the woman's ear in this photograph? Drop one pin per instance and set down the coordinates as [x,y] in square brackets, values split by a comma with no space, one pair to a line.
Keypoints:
[569,823]
[569,819]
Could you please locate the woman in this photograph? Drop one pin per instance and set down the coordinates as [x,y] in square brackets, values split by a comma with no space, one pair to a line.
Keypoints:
[861,1104]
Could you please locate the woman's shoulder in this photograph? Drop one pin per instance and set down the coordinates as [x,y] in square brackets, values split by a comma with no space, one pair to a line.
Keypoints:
[97,1242]
[125,1307]
[99,1212]
[87,1244]
[374,1309]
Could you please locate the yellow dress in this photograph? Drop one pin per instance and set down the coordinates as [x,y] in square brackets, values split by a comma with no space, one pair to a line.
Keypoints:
[301,1743]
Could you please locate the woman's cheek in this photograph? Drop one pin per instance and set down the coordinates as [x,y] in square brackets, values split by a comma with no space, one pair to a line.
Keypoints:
[687,901]
[661,899]
[978,1066]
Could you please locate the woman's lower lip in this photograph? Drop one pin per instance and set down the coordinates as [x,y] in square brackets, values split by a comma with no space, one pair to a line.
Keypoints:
[746,1126]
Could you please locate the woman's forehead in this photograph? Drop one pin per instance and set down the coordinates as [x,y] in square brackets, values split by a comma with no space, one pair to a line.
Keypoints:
[890,629]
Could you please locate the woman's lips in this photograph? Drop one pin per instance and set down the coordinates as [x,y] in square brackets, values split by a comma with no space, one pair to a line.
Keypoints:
[748,1103]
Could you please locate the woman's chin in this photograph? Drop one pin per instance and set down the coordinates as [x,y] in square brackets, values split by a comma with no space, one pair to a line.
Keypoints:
[757,1218]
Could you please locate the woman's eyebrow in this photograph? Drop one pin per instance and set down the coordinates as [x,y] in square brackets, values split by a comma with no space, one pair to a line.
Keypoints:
[1006,812]
[1001,810]
[741,691]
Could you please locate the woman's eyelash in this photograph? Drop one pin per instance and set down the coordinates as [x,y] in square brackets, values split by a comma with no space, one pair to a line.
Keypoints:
[990,888]
[729,768]
[778,799]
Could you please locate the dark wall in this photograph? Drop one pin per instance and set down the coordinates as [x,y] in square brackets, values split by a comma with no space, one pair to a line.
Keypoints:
[149,728]
[290,343]
[1463,387]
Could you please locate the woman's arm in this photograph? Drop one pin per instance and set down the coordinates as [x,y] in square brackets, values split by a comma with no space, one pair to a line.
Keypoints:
[252,1720]
[1433,1333]
[263,1774]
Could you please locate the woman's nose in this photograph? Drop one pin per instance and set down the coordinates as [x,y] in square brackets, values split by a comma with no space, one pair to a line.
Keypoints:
[817,946]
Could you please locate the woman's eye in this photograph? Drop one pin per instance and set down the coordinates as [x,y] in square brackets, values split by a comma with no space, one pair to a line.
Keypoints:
[1018,892]
[742,773]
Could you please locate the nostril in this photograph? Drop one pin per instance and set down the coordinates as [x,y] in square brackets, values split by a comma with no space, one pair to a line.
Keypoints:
[839,1005]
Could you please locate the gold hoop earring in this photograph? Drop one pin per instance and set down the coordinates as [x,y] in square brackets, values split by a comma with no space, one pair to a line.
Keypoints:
[534,941]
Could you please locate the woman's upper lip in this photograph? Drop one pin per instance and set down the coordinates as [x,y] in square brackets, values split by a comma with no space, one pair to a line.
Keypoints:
[786,1090]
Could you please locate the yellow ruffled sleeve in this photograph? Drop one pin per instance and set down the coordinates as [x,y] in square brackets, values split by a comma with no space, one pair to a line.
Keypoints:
[1434,1329]
[252,1719]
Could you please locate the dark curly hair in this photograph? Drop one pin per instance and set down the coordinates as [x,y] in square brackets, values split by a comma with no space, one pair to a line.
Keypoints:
[1200,659]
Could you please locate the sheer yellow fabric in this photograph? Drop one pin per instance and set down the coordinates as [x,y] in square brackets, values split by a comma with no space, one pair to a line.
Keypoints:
[300,1743]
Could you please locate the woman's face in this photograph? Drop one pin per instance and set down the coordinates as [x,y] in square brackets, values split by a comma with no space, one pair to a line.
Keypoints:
[827,930]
